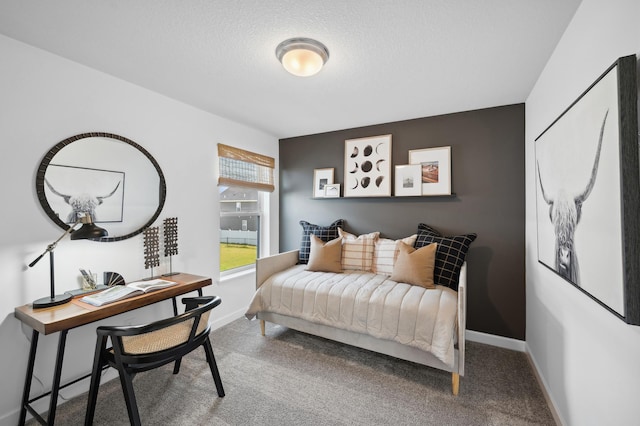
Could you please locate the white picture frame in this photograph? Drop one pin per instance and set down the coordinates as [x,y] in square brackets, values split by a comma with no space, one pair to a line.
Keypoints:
[436,169]
[321,177]
[332,190]
[408,180]
[367,167]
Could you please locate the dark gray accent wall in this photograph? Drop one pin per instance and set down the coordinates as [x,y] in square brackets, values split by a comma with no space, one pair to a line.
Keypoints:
[487,149]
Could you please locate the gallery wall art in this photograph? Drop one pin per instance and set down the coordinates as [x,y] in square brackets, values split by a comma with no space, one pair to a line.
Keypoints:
[436,169]
[321,178]
[367,167]
[408,180]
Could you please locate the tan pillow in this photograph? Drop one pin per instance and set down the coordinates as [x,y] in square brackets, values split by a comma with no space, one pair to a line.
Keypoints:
[325,257]
[357,251]
[386,252]
[415,266]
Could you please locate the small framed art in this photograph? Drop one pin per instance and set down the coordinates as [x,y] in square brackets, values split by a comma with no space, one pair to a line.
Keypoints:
[435,169]
[332,190]
[408,180]
[321,178]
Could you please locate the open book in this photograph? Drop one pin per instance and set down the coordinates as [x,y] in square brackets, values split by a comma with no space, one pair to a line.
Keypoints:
[119,292]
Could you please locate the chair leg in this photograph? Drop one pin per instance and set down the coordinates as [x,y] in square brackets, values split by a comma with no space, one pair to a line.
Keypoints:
[213,366]
[126,381]
[95,380]
[190,304]
[176,366]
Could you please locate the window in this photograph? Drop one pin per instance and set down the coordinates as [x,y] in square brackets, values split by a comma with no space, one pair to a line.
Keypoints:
[243,177]
[240,212]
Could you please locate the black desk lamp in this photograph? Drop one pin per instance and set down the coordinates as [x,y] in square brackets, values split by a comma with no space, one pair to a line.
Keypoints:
[88,231]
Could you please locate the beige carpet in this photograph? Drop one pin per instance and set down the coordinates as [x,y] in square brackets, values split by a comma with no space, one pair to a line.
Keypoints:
[290,378]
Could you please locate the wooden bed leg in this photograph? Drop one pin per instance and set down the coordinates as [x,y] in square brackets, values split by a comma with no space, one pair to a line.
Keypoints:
[262,325]
[455,383]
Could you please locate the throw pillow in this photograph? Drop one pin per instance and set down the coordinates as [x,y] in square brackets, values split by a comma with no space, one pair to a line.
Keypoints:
[325,257]
[450,254]
[357,251]
[325,233]
[385,253]
[415,266]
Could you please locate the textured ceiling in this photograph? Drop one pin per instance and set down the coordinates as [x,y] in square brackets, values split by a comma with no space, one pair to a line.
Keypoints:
[390,60]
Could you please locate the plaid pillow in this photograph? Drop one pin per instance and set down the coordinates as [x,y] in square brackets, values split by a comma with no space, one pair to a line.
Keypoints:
[357,251]
[325,233]
[450,254]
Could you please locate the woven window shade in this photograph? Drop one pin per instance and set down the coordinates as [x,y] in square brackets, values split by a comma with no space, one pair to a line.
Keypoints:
[245,168]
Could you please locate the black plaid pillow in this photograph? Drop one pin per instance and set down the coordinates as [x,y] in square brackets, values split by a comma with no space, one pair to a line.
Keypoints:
[325,233]
[450,254]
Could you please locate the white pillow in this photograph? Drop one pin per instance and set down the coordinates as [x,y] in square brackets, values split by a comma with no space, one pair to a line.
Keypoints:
[357,251]
[386,252]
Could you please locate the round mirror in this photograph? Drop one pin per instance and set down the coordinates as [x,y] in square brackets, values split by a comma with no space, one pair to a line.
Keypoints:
[110,177]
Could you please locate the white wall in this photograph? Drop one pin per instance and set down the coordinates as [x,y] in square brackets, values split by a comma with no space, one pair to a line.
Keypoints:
[45,99]
[588,358]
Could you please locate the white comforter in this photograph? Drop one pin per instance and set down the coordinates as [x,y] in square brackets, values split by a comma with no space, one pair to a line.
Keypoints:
[365,303]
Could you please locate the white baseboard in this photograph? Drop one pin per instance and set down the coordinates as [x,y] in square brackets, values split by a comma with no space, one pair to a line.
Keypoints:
[545,389]
[499,341]
[220,322]
[520,346]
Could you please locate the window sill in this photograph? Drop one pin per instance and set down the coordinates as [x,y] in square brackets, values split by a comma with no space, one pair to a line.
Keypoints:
[232,275]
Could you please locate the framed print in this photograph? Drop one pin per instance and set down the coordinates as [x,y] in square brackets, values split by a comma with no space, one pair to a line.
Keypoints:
[71,189]
[436,169]
[408,180]
[367,167]
[321,177]
[332,190]
[587,198]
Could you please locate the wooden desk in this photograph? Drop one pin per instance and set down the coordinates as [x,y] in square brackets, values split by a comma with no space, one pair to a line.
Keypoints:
[63,318]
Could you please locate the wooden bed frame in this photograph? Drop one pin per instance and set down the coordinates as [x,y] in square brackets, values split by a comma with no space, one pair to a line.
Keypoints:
[268,266]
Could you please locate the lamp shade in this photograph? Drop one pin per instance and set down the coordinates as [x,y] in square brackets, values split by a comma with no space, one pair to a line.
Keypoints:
[302,57]
[89,231]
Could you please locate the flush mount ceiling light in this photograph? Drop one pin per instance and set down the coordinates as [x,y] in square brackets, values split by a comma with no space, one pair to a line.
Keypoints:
[302,56]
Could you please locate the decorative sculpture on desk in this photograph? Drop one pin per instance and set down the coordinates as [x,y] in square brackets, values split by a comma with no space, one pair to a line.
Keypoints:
[113,278]
[151,248]
[170,241]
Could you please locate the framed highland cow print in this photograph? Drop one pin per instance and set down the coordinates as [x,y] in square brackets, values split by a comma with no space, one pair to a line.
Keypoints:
[587,198]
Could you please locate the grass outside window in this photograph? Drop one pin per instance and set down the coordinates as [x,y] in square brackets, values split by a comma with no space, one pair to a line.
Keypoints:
[236,255]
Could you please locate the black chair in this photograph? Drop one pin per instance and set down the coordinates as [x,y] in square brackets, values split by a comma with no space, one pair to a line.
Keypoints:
[144,347]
